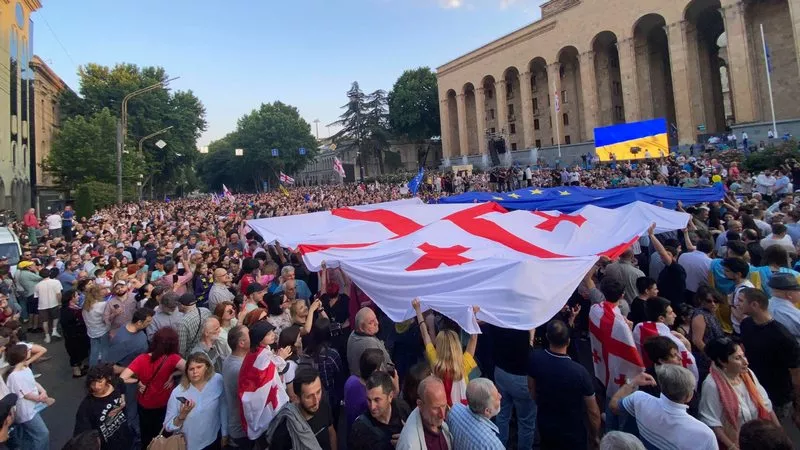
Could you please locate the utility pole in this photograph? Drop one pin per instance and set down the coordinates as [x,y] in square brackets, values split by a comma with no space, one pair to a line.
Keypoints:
[122,129]
[316,122]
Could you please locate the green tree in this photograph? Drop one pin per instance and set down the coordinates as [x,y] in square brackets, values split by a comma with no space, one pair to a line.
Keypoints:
[105,87]
[84,149]
[365,122]
[414,107]
[272,126]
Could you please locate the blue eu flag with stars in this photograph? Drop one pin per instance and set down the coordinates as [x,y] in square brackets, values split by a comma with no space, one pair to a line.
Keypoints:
[413,185]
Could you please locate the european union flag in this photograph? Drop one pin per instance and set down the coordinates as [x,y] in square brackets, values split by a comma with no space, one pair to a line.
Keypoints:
[413,185]
[274,152]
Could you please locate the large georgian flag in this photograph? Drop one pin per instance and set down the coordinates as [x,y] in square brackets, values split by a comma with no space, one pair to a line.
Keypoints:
[614,355]
[261,391]
[646,330]
[520,267]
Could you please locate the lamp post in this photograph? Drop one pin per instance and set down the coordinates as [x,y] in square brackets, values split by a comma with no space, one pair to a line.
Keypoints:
[122,128]
[316,122]
[141,144]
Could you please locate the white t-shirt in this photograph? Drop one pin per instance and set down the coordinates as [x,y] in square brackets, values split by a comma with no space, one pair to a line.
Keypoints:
[22,382]
[4,364]
[53,222]
[47,292]
[711,406]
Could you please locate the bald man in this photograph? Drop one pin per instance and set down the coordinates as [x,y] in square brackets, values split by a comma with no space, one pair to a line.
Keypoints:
[219,291]
[426,426]
[363,337]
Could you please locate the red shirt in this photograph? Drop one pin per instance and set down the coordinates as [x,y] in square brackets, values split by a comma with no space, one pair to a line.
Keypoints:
[155,396]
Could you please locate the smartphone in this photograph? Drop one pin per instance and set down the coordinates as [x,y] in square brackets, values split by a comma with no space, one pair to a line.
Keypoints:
[182,400]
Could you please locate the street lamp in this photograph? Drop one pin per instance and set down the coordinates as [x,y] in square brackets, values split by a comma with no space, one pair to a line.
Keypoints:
[141,144]
[122,128]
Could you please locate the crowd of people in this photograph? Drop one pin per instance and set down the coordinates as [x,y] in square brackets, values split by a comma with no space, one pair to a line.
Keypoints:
[186,326]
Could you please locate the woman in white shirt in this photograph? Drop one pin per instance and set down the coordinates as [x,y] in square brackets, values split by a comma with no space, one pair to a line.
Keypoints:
[96,328]
[197,406]
[33,434]
[731,394]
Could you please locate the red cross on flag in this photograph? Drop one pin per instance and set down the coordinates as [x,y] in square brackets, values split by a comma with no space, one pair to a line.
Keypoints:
[520,267]
[261,391]
[614,355]
[646,330]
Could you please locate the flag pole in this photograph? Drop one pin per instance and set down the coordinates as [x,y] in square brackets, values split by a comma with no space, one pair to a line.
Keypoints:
[558,109]
[769,81]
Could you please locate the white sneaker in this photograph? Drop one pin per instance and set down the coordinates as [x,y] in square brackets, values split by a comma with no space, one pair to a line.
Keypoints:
[46,338]
[55,334]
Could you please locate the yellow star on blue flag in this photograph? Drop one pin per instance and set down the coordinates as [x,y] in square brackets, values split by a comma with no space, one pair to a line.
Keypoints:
[497,198]
[514,195]
[536,191]
[564,192]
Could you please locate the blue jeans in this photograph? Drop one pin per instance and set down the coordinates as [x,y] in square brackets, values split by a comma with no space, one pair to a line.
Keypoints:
[98,347]
[33,434]
[514,389]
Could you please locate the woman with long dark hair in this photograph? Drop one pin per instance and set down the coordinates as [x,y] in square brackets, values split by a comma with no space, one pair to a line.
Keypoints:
[153,372]
[76,340]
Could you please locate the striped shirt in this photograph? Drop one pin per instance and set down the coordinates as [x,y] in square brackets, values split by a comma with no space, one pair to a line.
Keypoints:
[472,431]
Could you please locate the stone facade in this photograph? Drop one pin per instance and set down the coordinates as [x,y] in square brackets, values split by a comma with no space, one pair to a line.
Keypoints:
[697,63]
[46,87]
[16,93]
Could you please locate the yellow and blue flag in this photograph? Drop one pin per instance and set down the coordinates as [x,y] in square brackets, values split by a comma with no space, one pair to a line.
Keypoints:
[632,140]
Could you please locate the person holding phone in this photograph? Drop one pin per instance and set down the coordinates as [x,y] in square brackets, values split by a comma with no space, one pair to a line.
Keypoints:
[197,407]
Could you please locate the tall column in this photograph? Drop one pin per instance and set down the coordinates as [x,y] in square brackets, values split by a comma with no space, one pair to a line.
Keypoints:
[502,107]
[463,137]
[527,110]
[480,116]
[740,67]
[589,88]
[794,12]
[681,89]
[554,78]
[630,85]
[444,118]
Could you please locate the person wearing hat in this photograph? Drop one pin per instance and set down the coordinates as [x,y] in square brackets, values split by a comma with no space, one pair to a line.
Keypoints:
[190,327]
[7,416]
[785,301]
[120,308]
[26,279]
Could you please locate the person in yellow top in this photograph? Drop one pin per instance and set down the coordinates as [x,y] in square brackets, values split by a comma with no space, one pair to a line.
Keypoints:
[446,358]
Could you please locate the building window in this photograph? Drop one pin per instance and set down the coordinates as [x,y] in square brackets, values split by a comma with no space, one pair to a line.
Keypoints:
[535,124]
[491,114]
[551,141]
[565,116]
[562,72]
[510,110]
[616,88]
[618,115]
[509,88]
[567,140]
[512,129]
[614,61]
[536,106]
[493,130]
[489,93]
[563,97]
[533,80]
[513,146]
[538,143]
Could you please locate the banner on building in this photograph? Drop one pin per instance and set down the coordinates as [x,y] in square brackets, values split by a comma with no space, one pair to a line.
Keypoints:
[636,140]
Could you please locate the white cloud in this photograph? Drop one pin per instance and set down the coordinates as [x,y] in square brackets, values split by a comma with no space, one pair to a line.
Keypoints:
[451,4]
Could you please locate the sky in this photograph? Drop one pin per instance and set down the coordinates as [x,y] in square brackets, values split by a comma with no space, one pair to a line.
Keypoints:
[237,54]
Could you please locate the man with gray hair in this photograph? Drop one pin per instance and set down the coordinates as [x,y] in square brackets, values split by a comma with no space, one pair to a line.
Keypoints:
[617,440]
[167,314]
[472,426]
[301,290]
[364,337]
[658,418]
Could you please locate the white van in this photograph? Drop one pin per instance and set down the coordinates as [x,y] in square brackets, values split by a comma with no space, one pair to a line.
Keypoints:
[10,248]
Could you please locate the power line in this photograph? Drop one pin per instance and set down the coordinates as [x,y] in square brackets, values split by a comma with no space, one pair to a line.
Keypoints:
[66,52]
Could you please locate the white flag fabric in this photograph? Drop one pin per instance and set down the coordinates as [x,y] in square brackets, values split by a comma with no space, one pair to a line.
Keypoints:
[614,355]
[645,330]
[286,179]
[261,391]
[337,166]
[520,267]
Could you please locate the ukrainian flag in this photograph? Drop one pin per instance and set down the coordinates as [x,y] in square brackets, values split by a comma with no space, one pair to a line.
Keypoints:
[632,140]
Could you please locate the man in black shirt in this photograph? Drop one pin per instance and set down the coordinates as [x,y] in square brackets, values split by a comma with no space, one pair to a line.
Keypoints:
[379,429]
[564,393]
[312,407]
[773,354]
[510,349]
[7,415]
[647,289]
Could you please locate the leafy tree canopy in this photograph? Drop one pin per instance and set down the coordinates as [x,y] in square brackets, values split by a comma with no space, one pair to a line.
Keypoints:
[414,105]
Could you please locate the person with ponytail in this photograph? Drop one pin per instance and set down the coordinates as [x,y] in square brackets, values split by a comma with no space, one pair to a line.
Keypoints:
[448,361]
